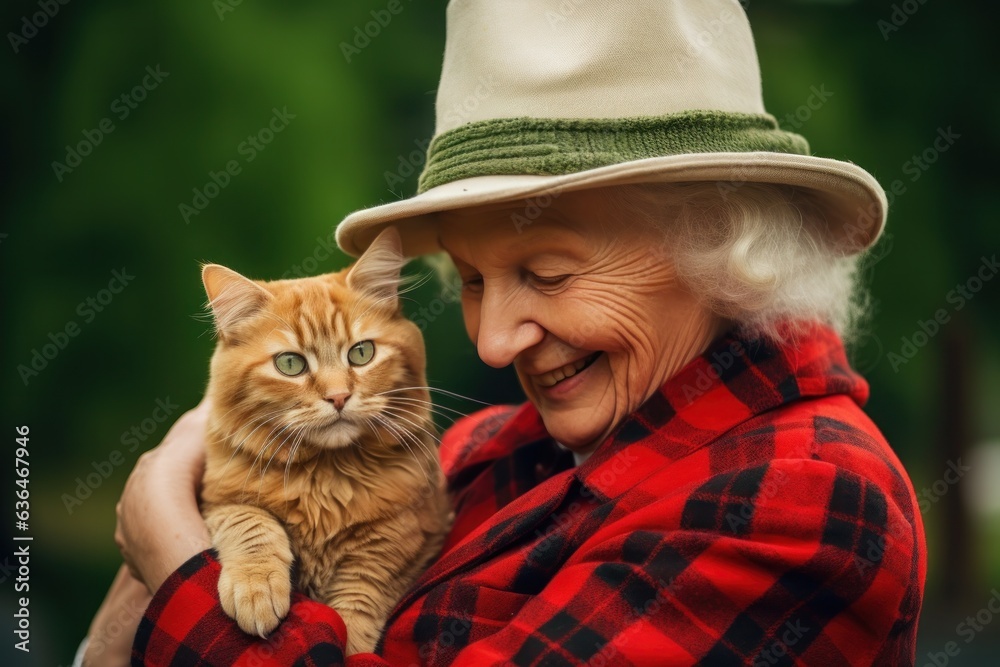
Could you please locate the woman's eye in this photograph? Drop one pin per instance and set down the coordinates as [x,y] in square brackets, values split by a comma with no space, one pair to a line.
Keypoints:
[549,281]
[474,284]
[361,353]
[290,363]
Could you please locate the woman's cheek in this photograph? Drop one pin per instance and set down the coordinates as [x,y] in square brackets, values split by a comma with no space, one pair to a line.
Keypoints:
[634,361]
[581,324]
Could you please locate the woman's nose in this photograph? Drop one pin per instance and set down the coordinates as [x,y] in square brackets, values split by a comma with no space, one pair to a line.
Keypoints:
[506,328]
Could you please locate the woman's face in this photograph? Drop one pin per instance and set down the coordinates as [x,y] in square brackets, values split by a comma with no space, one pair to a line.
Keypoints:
[584,304]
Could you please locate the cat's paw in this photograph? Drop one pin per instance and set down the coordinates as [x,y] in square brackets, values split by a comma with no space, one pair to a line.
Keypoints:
[257,597]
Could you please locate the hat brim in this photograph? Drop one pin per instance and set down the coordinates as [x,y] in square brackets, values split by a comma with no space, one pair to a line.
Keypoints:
[853,202]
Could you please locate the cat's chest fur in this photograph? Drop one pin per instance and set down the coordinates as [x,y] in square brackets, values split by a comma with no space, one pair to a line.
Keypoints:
[330,505]
[323,500]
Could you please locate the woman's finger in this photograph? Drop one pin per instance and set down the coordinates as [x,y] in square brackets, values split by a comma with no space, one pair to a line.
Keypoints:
[159,523]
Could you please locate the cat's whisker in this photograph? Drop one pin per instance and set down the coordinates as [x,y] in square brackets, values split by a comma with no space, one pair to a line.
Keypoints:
[269,416]
[395,410]
[236,449]
[415,440]
[416,282]
[418,405]
[231,435]
[297,440]
[427,405]
[374,429]
[404,435]
[440,391]
[228,412]
[259,457]
[272,437]
[277,449]
[401,435]
[395,431]
[266,418]
[248,408]
[434,413]
[210,332]
[410,278]
[239,447]
[422,445]
[206,317]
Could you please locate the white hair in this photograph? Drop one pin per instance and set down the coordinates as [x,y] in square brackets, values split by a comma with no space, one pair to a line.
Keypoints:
[753,253]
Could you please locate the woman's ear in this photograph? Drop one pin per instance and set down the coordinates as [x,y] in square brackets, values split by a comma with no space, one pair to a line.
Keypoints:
[233,298]
[377,271]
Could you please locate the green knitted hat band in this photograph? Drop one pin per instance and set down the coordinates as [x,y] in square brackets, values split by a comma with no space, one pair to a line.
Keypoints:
[542,146]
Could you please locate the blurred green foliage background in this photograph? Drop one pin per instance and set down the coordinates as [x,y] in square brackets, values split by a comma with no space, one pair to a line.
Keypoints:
[894,75]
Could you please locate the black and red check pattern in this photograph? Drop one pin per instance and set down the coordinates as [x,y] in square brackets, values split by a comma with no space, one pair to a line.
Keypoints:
[749,513]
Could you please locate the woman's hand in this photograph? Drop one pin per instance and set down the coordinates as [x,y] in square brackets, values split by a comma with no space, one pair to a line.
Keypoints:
[159,524]
[109,640]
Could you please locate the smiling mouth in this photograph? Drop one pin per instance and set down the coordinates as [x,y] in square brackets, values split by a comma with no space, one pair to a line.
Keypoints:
[553,378]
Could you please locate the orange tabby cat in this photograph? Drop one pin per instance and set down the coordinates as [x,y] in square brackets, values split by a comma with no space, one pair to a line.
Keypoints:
[321,445]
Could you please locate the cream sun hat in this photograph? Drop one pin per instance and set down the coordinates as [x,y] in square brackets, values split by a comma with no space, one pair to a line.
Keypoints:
[540,97]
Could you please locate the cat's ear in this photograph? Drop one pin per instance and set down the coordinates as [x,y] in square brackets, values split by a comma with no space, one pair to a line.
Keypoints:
[233,298]
[377,271]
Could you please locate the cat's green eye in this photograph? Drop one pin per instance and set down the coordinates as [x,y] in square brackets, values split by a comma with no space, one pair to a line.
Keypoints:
[290,363]
[361,353]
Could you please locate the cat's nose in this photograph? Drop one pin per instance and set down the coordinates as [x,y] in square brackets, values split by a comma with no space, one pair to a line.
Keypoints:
[338,400]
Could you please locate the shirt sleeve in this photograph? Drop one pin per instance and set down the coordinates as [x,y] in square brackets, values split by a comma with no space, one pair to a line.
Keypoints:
[184,624]
[80,651]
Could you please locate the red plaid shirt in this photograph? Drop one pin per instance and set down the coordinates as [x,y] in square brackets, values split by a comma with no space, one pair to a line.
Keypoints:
[749,513]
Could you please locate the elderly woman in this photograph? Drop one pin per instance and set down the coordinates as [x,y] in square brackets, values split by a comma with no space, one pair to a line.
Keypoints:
[692,479]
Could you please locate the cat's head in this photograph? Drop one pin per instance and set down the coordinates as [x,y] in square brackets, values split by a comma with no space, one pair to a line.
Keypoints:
[316,362]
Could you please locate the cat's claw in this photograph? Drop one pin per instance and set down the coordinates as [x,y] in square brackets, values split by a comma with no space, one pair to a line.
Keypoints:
[256,601]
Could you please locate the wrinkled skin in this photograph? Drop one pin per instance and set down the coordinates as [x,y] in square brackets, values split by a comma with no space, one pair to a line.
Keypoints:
[578,280]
